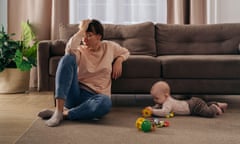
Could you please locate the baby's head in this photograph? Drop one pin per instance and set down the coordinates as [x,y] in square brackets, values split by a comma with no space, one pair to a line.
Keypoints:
[160,91]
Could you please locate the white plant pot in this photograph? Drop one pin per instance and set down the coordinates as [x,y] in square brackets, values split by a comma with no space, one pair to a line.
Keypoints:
[13,80]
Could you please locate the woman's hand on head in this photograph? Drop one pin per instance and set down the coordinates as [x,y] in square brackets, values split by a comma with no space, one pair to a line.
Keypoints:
[117,68]
[84,25]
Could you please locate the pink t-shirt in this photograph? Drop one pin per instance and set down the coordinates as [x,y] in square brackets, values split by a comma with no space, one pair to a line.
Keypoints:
[95,67]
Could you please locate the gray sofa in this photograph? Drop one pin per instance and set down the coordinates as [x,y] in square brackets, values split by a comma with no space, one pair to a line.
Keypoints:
[193,59]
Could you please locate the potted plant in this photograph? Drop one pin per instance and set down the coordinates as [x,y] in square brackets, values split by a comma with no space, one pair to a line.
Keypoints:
[17,57]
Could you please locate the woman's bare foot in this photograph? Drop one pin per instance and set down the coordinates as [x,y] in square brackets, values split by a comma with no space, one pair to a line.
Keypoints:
[223,106]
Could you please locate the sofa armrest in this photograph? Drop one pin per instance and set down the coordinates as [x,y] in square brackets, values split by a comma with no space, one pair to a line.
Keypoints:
[43,55]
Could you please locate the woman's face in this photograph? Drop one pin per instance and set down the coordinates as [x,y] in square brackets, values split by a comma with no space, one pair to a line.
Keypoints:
[91,39]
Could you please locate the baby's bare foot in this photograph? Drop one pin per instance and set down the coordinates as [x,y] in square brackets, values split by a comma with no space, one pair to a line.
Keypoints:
[219,111]
[223,106]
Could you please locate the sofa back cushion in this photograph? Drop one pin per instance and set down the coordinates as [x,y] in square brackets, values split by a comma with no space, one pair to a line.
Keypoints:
[197,39]
[67,31]
[139,39]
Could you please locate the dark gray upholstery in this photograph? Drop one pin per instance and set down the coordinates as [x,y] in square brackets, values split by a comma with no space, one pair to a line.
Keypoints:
[141,66]
[201,66]
[197,39]
[53,63]
[138,38]
[58,48]
[193,59]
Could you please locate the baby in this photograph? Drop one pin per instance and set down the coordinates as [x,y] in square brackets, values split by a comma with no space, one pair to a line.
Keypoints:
[195,106]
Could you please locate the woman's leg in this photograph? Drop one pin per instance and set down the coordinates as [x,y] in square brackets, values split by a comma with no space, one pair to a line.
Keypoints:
[96,106]
[67,89]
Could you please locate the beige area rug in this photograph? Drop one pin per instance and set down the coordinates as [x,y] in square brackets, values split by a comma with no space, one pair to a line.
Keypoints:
[118,127]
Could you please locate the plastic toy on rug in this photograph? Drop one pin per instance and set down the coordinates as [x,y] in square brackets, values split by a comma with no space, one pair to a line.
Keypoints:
[150,124]
[144,125]
[170,115]
[159,123]
[146,113]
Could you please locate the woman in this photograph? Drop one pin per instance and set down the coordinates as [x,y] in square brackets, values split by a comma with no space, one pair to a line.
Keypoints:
[83,77]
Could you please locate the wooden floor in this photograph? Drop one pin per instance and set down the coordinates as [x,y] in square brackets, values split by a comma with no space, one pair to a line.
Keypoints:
[18,111]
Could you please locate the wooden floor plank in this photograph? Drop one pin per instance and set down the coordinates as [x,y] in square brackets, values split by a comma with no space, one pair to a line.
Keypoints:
[18,111]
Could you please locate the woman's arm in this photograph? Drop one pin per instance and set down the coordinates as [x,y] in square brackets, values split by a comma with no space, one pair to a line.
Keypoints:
[74,42]
[117,67]
[120,54]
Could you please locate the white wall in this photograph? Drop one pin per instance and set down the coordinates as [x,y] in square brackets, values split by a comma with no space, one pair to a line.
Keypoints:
[3,14]
[228,11]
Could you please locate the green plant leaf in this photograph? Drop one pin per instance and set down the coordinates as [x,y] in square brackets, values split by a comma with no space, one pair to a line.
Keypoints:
[21,54]
[31,51]
[27,34]
[8,48]
[22,63]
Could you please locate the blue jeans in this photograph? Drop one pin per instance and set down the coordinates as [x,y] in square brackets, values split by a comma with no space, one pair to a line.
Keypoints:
[82,104]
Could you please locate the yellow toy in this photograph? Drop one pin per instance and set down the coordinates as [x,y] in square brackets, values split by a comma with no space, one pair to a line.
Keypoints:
[138,123]
[144,125]
[170,115]
[146,113]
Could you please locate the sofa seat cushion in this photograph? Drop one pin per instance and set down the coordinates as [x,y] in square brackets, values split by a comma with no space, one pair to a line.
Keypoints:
[201,66]
[141,66]
[136,66]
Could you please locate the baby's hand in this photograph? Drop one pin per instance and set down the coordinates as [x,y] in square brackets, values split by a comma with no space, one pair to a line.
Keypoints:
[147,112]
[150,108]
